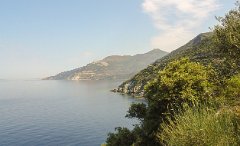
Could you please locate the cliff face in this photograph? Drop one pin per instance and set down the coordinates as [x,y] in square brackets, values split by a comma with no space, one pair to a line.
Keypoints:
[111,67]
[197,49]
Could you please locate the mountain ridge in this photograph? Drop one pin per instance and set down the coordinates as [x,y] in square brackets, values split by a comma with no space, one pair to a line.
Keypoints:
[111,67]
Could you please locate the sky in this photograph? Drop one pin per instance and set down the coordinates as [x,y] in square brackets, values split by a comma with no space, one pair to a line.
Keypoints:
[39,38]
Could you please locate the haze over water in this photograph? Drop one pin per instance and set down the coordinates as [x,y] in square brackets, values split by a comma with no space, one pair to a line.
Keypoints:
[60,112]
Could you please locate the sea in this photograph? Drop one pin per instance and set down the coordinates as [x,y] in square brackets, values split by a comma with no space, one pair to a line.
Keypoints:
[61,113]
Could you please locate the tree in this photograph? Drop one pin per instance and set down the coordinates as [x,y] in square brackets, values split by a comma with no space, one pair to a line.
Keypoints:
[122,137]
[137,110]
[227,33]
[227,41]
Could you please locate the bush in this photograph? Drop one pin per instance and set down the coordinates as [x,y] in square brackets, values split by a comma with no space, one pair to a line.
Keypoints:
[232,89]
[182,81]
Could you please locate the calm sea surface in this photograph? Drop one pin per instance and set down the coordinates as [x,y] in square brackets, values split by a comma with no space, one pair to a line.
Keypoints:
[60,113]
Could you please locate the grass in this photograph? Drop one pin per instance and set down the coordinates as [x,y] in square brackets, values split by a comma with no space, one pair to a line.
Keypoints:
[201,127]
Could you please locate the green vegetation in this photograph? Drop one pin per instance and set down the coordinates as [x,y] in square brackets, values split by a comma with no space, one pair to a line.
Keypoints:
[181,81]
[232,89]
[123,137]
[192,94]
[206,124]
[201,126]
[227,34]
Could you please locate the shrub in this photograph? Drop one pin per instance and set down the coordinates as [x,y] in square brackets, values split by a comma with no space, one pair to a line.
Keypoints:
[232,89]
[182,81]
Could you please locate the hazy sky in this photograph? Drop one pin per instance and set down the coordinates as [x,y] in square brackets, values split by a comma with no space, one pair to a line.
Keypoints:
[39,38]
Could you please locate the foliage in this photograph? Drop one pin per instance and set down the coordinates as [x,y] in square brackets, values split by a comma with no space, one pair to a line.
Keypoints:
[227,33]
[227,39]
[201,126]
[181,81]
[232,89]
[122,137]
[137,110]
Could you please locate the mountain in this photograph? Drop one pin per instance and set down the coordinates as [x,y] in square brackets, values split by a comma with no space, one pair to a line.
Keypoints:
[199,49]
[111,67]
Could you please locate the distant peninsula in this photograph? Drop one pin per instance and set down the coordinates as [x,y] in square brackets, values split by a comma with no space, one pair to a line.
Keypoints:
[113,67]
